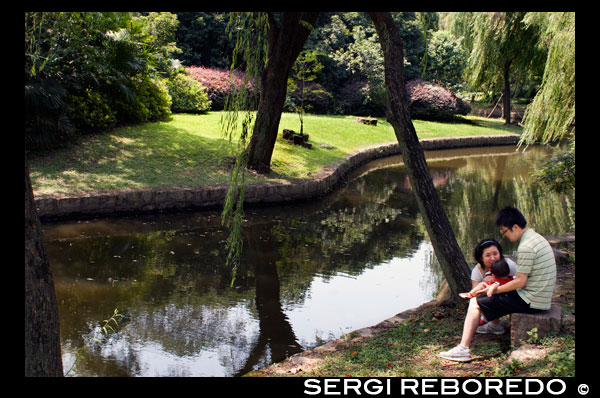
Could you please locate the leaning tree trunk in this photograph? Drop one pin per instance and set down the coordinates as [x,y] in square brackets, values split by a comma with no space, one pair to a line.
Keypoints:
[42,336]
[286,41]
[438,226]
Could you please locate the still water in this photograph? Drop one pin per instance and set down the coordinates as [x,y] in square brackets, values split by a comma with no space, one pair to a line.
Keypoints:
[310,272]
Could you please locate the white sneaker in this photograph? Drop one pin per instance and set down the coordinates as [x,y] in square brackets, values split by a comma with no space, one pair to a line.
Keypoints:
[490,328]
[458,354]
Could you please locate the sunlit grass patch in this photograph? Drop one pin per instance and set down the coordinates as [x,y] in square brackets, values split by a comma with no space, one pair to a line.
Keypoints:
[190,150]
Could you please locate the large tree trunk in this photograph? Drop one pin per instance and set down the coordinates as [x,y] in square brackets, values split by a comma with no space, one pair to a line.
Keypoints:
[286,41]
[506,95]
[438,226]
[42,335]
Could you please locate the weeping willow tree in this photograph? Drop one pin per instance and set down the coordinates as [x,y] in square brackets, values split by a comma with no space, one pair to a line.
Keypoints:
[287,34]
[542,43]
[286,37]
[500,44]
[551,115]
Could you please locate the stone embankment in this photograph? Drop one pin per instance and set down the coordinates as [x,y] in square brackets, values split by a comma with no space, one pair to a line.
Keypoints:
[205,197]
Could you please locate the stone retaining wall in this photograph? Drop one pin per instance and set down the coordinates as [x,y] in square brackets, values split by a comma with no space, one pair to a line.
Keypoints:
[205,197]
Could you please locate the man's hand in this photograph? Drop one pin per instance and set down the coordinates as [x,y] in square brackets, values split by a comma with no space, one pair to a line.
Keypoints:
[515,284]
[492,289]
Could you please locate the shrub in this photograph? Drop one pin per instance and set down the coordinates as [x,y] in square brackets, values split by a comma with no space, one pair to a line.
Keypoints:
[463,106]
[558,172]
[430,101]
[217,83]
[46,120]
[90,111]
[159,100]
[188,94]
[150,102]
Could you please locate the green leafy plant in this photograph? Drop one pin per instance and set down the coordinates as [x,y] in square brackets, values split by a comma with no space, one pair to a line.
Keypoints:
[533,336]
[106,328]
[107,322]
[509,369]
[188,94]
[251,36]
[558,172]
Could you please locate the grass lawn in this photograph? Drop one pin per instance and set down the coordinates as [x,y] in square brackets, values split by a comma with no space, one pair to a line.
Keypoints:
[189,149]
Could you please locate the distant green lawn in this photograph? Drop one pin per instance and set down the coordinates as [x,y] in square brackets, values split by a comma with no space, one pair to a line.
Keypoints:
[188,151]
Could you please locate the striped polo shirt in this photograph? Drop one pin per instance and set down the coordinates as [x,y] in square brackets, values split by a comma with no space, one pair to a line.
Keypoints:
[536,258]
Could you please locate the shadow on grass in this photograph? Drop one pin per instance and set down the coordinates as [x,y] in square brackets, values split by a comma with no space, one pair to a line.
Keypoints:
[151,155]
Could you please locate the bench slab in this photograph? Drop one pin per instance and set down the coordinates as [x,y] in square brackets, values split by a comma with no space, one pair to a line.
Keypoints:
[545,322]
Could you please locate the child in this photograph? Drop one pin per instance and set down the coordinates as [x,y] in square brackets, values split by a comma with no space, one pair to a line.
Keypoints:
[501,273]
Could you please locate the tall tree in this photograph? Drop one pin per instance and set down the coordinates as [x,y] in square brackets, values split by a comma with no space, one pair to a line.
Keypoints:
[287,36]
[42,336]
[438,226]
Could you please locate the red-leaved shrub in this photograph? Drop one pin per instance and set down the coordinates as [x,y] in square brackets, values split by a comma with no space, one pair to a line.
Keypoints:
[430,101]
[217,83]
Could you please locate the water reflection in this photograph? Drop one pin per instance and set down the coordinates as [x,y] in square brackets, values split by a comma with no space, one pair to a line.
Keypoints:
[310,272]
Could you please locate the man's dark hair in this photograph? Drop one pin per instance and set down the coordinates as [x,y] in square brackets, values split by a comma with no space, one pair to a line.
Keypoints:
[510,216]
[500,268]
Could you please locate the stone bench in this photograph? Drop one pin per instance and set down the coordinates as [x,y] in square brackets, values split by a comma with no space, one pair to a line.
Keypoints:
[545,322]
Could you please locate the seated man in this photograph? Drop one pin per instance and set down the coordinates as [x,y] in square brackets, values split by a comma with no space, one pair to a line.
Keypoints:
[530,291]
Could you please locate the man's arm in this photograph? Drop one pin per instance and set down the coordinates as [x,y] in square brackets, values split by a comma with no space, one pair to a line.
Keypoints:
[517,283]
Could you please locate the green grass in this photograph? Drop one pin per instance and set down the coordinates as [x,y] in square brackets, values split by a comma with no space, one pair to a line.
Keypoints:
[411,350]
[189,150]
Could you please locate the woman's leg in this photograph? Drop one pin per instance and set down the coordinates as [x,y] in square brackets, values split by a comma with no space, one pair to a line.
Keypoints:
[471,323]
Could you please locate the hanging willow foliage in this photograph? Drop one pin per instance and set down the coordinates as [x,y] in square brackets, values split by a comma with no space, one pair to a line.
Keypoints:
[551,115]
[250,31]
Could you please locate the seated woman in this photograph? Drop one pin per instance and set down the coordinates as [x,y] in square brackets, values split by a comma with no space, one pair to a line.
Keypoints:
[485,253]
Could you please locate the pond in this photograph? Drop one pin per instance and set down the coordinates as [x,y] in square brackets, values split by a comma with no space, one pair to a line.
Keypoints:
[310,271]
